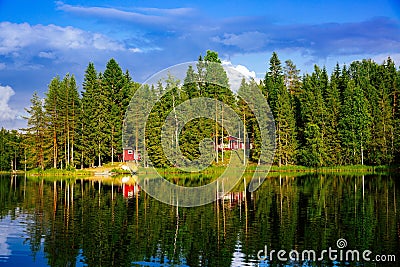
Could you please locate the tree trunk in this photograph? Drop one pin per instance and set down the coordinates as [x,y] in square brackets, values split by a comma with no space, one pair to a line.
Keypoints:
[112,145]
[99,155]
[244,138]
[216,131]
[222,122]
[54,148]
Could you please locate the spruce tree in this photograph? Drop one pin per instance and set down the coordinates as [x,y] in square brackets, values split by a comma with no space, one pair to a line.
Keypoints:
[333,104]
[115,85]
[283,110]
[354,124]
[88,146]
[314,119]
[396,114]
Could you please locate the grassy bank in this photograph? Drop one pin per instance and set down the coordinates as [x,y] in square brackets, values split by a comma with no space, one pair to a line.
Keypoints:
[292,169]
[345,168]
[212,170]
[11,172]
[58,172]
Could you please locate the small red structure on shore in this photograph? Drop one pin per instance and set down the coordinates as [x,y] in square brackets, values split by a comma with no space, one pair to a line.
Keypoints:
[234,143]
[130,154]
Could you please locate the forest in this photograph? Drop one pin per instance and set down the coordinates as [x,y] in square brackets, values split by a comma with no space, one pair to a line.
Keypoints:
[348,117]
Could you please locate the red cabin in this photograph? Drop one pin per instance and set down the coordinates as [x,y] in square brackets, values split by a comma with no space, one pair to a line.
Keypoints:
[234,143]
[130,154]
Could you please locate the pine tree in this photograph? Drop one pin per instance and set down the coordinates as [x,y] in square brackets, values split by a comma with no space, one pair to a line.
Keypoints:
[53,110]
[214,83]
[69,105]
[35,133]
[249,120]
[292,77]
[171,99]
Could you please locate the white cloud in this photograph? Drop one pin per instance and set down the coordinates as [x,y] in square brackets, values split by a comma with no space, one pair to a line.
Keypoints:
[237,73]
[240,68]
[49,55]
[383,57]
[5,250]
[135,50]
[15,38]
[144,15]
[6,112]
[182,11]
[105,12]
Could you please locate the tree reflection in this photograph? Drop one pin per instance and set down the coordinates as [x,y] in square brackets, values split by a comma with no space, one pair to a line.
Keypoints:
[100,224]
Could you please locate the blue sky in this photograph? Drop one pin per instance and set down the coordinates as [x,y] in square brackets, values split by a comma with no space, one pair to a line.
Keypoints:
[42,39]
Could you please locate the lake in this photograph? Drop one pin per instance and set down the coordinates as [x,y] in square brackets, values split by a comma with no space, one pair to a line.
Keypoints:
[77,222]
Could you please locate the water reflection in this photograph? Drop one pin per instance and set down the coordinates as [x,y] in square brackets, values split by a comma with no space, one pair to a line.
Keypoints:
[112,222]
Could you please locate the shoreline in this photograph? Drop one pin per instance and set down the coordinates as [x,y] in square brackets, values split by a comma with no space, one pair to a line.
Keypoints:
[295,169]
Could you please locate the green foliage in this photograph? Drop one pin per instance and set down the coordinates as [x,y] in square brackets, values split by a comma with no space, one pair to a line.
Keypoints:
[354,125]
[11,151]
[333,106]
[312,154]
[349,117]
[211,81]
[283,109]
[116,87]
[62,108]
[250,123]
[69,130]
[35,134]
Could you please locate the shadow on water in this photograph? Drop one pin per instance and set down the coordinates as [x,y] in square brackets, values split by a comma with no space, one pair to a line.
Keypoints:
[102,222]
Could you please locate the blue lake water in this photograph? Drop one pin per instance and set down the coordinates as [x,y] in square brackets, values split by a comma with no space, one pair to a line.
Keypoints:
[78,222]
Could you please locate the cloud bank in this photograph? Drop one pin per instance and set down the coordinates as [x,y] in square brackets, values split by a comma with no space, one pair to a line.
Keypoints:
[6,112]
[23,44]
[24,38]
[146,40]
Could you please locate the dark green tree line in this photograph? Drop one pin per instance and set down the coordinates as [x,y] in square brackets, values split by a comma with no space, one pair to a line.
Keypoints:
[350,116]
[11,150]
[67,129]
